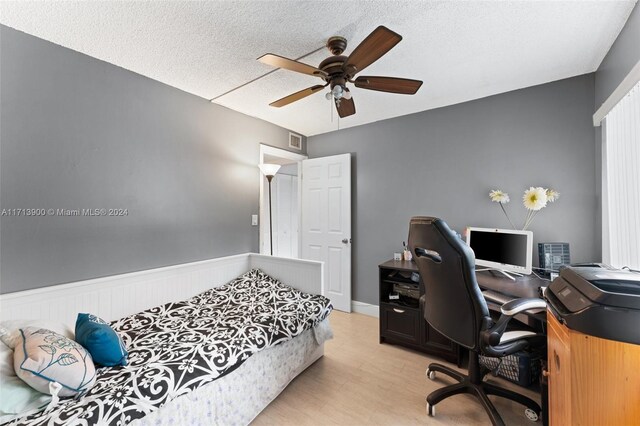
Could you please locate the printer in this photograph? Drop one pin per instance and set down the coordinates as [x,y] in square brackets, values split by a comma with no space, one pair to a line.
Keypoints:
[597,300]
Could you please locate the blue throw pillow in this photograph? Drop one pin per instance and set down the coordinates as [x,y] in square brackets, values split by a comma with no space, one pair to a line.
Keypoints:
[102,342]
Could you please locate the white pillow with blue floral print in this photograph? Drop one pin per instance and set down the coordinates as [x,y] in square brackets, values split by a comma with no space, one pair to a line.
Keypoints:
[10,329]
[52,363]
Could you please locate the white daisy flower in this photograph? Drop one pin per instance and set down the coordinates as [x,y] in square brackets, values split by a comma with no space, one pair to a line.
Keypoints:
[499,196]
[502,198]
[552,195]
[535,198]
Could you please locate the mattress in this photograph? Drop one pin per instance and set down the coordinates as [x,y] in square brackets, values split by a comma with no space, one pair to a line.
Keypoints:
[237,398]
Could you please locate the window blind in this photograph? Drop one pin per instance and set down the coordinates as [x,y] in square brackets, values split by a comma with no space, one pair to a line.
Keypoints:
[621,182]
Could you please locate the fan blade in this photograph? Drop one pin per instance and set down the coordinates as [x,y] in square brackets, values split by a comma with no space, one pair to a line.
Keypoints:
[403,86]
[290,64]
[345,107]
[372,48]
[297,96]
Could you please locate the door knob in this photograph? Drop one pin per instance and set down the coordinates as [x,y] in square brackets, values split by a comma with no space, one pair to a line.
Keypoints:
[345,241]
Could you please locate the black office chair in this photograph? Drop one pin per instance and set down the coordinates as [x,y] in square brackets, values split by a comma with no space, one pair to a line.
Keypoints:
[455,307]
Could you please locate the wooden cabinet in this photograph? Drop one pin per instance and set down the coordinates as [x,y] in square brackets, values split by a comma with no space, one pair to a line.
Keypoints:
[400,323]
[436,344]
[592,381]
[402,320]
[559,368]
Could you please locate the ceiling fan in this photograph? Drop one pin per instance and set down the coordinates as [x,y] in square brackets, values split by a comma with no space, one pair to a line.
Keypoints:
[338,70]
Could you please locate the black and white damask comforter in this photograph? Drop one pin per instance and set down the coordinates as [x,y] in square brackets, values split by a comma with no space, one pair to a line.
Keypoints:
[177,347]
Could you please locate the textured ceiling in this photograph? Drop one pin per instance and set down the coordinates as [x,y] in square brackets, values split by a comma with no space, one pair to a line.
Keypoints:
[462,50]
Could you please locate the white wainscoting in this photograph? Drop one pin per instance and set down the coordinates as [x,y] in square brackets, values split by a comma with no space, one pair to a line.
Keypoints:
[305,275]
[120,295]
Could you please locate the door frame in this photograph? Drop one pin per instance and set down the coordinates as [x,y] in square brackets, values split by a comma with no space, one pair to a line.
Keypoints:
[286,155]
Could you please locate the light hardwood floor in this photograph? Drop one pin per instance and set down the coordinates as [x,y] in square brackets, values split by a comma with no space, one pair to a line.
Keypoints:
[362,382]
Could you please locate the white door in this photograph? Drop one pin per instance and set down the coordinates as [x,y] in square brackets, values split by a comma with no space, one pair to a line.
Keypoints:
[326,223]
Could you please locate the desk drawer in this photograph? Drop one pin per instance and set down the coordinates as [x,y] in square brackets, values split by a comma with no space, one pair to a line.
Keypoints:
[400,323]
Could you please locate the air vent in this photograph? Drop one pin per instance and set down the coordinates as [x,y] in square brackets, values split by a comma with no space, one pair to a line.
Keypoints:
[295,141]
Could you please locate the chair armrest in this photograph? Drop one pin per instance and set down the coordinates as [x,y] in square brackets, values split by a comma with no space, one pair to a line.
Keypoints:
[493,335]
[516,306]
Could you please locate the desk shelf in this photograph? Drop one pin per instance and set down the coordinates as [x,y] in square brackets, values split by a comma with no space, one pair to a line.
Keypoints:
[402,321]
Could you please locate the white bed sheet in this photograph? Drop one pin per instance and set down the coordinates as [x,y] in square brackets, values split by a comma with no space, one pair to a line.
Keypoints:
[238,397]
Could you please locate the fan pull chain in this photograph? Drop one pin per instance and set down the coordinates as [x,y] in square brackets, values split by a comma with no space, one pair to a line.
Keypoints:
[331,110]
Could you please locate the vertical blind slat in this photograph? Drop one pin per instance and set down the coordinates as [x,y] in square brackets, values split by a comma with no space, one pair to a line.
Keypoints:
[622,182]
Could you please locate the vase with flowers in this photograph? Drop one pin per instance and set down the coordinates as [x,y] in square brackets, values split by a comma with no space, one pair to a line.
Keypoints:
[534,200]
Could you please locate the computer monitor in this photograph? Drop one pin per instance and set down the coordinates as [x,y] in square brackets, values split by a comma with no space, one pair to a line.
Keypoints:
[504,250]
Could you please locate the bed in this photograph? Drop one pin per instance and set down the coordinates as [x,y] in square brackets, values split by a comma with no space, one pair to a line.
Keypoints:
[218,357]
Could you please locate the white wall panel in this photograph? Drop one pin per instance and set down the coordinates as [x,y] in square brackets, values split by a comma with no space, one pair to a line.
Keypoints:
[121,295]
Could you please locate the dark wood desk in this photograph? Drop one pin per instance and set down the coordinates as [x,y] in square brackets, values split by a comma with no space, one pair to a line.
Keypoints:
[522,287]
[526,286]
[402,322]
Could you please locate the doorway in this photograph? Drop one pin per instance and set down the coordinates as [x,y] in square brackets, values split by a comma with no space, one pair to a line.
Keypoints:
[285,203]
[311,214]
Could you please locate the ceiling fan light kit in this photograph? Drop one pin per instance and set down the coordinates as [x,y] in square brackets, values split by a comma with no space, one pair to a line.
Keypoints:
[338,70]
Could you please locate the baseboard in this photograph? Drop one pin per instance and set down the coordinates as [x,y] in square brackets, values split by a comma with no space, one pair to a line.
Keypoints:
[365,308]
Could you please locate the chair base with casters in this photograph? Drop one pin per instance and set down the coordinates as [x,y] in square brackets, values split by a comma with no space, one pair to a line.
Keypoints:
[473,384]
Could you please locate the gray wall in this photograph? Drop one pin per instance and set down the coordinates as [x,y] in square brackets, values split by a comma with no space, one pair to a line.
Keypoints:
[79,133]
[443,162]
[623,55]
